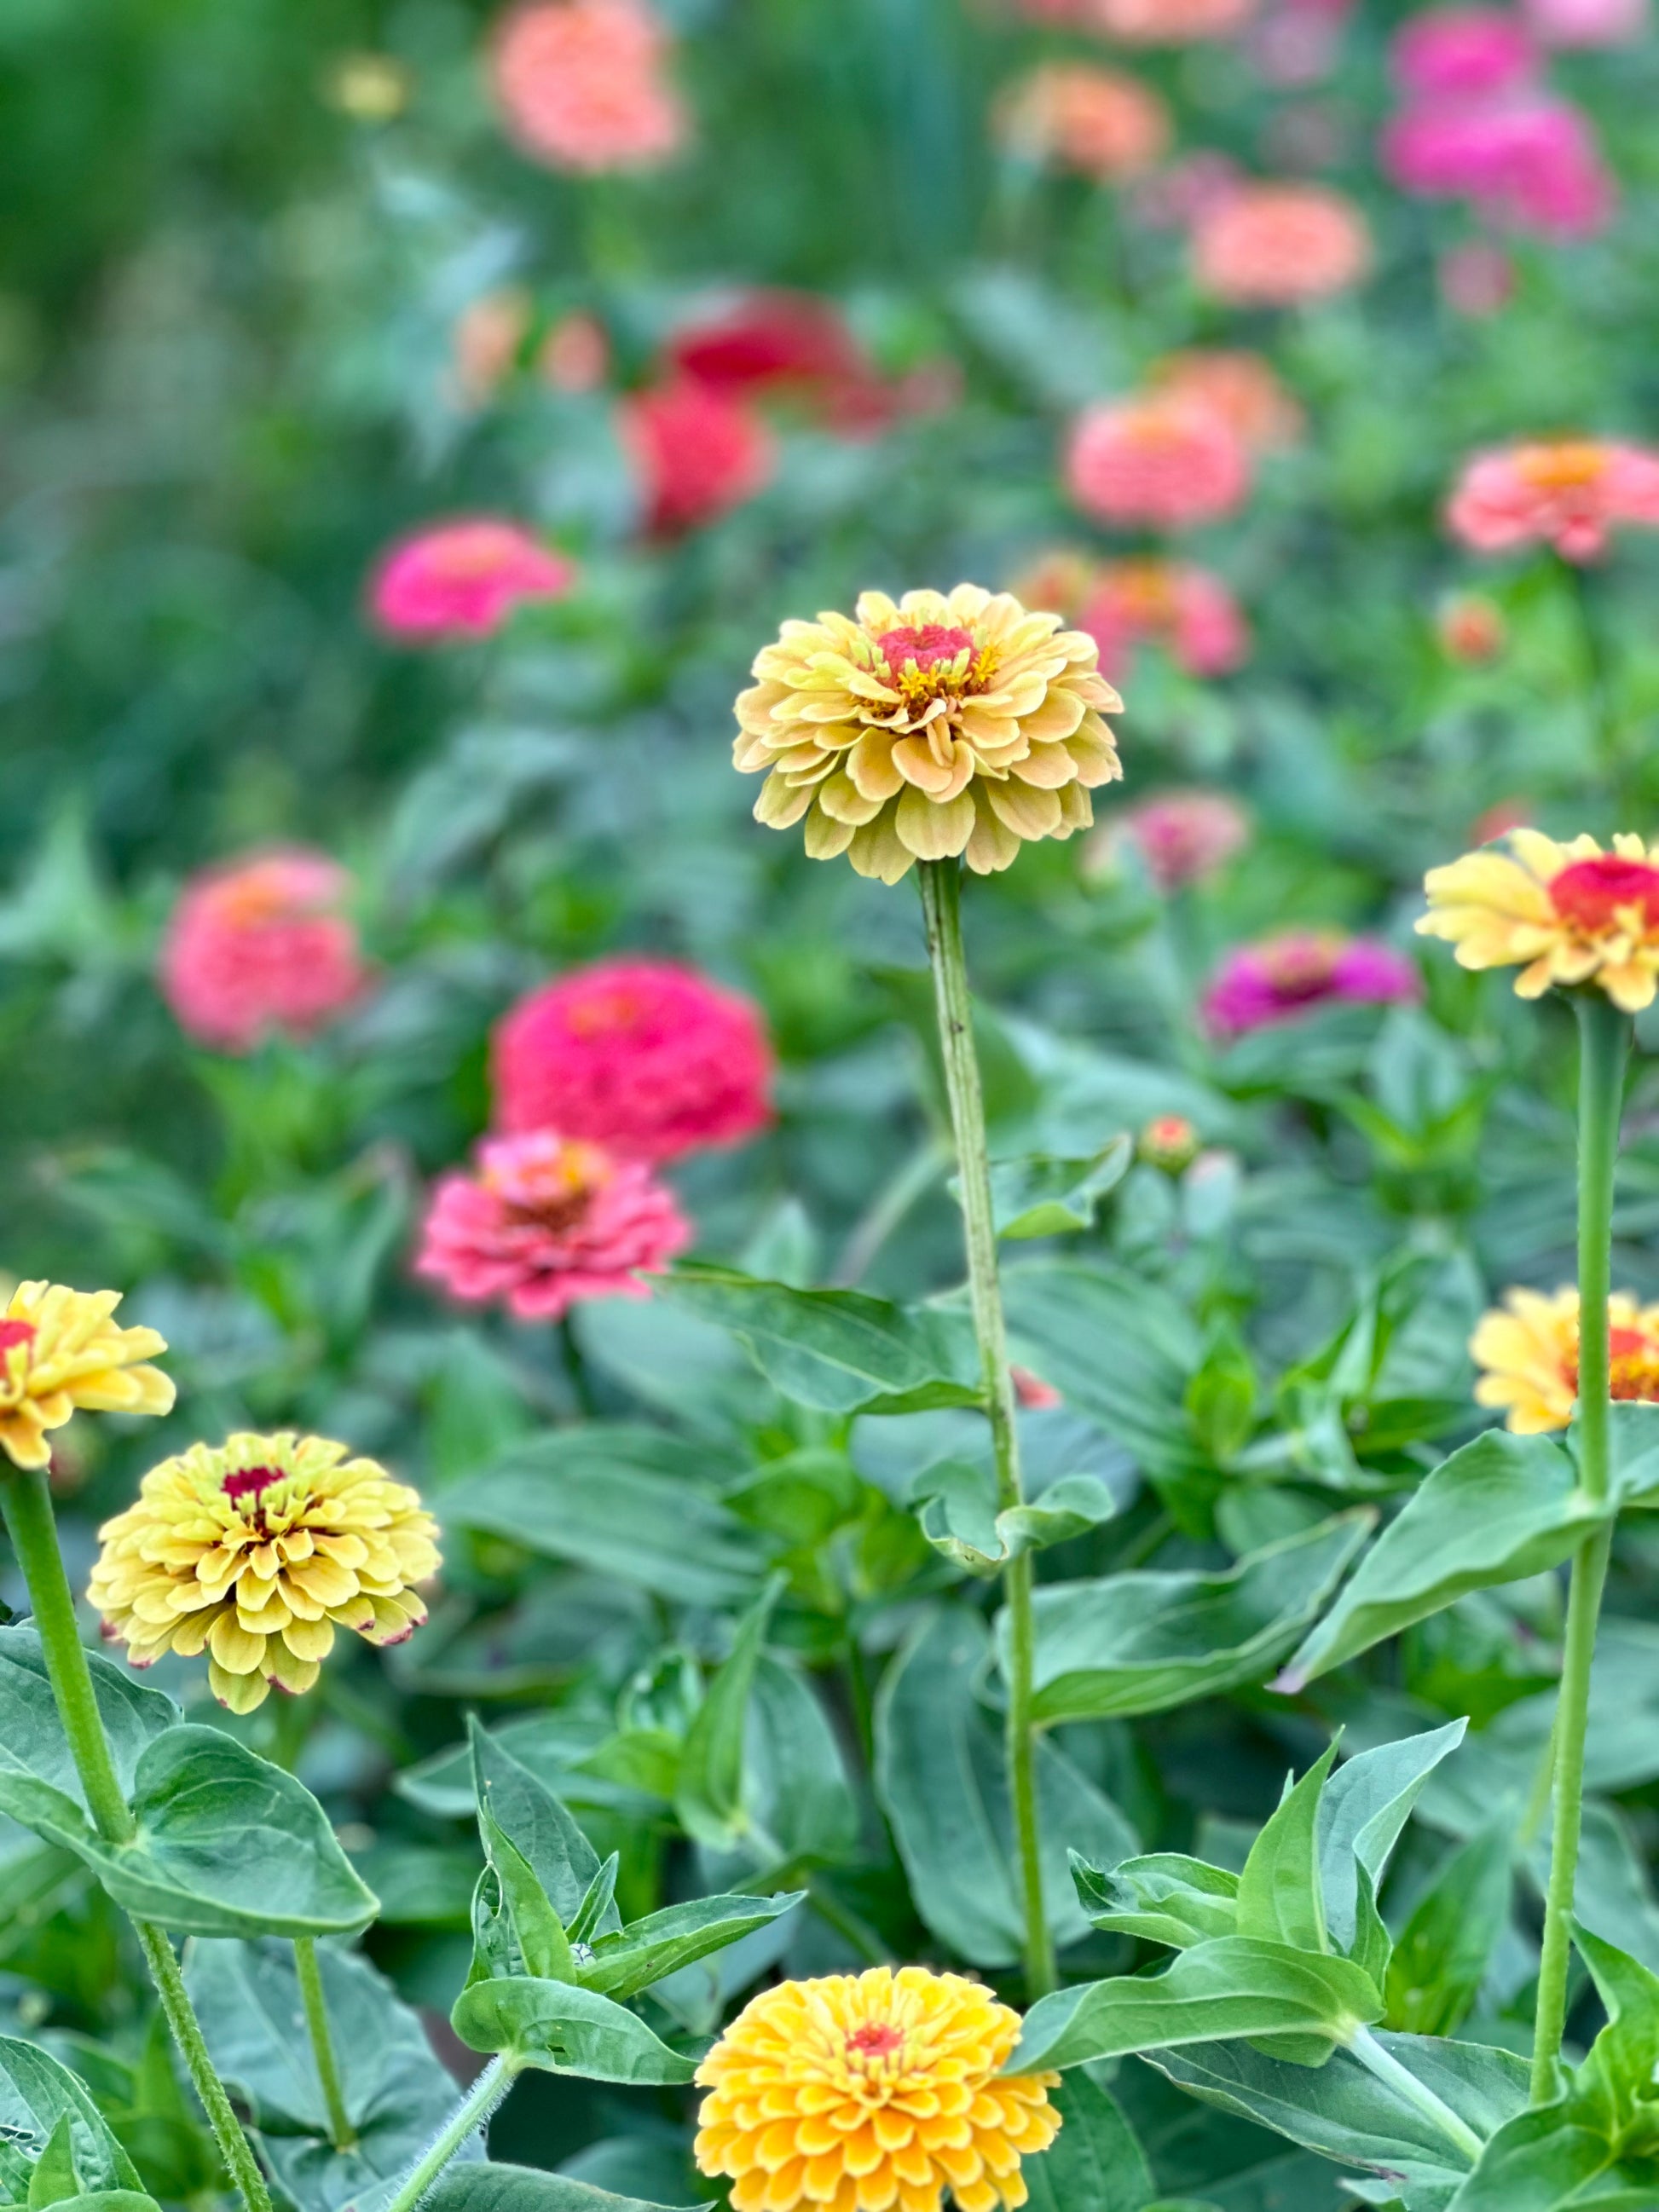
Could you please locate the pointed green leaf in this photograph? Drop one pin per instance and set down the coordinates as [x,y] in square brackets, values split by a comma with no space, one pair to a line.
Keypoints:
[649,1950]
[1444,1949]
[1366,1804]
[495,2188]
[709,1799]
[563,2029]
[38,2096]
[960,1519]
[539,1945]
[1038,1195]
[536,1823]
[1094,2164]
[595,1912]
[1278,1892]
[1162,1897]
[53,2176]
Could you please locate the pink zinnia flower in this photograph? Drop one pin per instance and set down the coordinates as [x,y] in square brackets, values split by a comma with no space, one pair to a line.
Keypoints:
[261,945]
[1075,115]
[1161,461]
[1242,388]
[1274,246]
[1568,493]
[646,1057]
[1280,976]
[1461,53]
[1185,835]
[575,354]
[546,1223]
[1174,604]
[1533,163]
[1587,22]
[1169,23]
[1476,279]
[581,85]
[696,453]
[1472,630]
[463,579]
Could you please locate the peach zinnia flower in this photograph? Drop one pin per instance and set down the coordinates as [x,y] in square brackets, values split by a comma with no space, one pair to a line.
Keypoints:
[1562,914]
[61,1353]
[1289,974]
[582,85]
[463,579]
[875,2092]
[1169,23]
[262,945]
[932,725]
[696,453]
[255,1553]
[1242,388]
[649,1059]
[1528,1351]
[1160,462]
[1074,115]
[1275,246]
[1174,604]
[1566,492]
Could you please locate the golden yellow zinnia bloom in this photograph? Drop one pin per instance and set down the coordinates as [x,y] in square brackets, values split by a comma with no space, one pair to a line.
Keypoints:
[1563,913]
[59,1351]
[871,2092]
[1528,1353]
[937,725]
[254,1553]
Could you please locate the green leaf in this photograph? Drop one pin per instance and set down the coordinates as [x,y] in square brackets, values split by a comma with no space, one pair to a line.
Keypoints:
[648,1951]
[800,1803]
[709,1798]
[32,1738]
[495,2188]
[596,1913]
[1162,1897]
[1141,1643]
[1220,1398]
[1038,1195]
[53,2176]
[960,1520]
[1365,1806]
[1094,2164]
[564,2029]
[1502,1508]
[1229,1988]
[1441,1956]
[510,1893]
[1279,1898]
[39,2098]
[534,1820]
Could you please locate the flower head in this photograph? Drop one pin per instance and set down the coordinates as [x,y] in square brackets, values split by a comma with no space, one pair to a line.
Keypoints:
[1275,246]
[1530,161]
[1566,492]
[877,2092]
[1161,462]
[1527,1353]
[1168,1141]
[254,1553]
[1587,22]
[935,725]
[1184,835]
[463,579]
[59,1354]
[1471,629]
[1075,115]
[582,85]
[646,1057]
[1186,608]
[1461,53]
[547,1223]
[1562,914]
[262,945]
[1288,973]
[488,336]
[1169,23]
[696,453]
[1241,387]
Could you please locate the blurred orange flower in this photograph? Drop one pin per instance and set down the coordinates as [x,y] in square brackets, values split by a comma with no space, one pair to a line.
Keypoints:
[582,85]
[1275,246]
[1073,115]
[1241,386]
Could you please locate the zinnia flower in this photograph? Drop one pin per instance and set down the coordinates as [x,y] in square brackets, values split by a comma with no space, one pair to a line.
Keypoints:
[1168,1141]
[1074,115]
[1061,577]
[1033,1393]
[877,2092]
[1562,914]
[1280,976]
[767,341]
[1461,53]
[464,579]
[1275,246]
[935,725]
[1169,23]
[487,339]
[546,1223]
[261,945]
[1529,1355]
[1185,609]
[1184,836]
[696,453]
[1241,387]
[646,1057]
[1471,629]
[1532,162]
[1587,22]
[1564,492]
[581,85]
[575,354]
[254,1553]
[59,1354]
[1159,462]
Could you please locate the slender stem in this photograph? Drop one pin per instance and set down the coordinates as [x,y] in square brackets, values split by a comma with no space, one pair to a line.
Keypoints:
[474,2109]
[941,902]
[1604,1039]
[575,1368]
[26,1501]
[342,2134]
[1387,2068]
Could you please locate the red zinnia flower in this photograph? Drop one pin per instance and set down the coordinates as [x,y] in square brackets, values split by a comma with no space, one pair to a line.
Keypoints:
[696,453]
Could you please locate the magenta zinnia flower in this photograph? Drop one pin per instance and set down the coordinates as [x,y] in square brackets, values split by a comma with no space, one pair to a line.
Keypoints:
[1461,53]
[646,1057]
[259,945]
[463,579]
[696,451]
[1283,975]
[546,1223]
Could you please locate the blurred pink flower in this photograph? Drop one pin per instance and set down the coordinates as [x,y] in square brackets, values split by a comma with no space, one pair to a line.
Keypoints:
[575,354]
[484,348]
[1568,493]
[696,454]
[1185,835]
[1280,976]
[646,1057]
[1275,246]
[1076,115]
[463,579]
[1587,22]
[1162,461]
[582,85]
[1298,42]
[795,346]
[1476,279]
[261,945]
[1533,163]
[546,1223]
[1184,191]
[1498,820]
[1461,53]
[1033,1394]
[1242,388]
[1169,23]
[1186,608]
[1471,629]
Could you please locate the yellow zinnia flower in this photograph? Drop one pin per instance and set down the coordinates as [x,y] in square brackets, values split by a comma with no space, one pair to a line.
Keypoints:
[871,2092]
[254,1553]
[1563,914]
[1528,1351]
[59,1351]
[940,725]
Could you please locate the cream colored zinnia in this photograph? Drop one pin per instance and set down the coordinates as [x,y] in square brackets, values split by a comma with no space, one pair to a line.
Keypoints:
[1527,1353]
[1563,913]
[254,1553]
[936,725]
[60,1351]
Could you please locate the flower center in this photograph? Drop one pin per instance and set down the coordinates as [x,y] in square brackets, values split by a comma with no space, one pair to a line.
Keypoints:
[1607,893]
[1572,464]
[13,1333]
[249,1482]
[552,1189]
[1633,1367]
[604,1013]
[876,2038]
[929,663]
[1299,968]
[1145,592]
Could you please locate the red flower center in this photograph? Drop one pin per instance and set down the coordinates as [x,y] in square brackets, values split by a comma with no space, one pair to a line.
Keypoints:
[1593,893]
[876,2038]
[250,1482]
[927,648]
[15,1332]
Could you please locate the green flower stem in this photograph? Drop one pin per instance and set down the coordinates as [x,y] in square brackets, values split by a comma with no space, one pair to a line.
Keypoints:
[1387,2068]
[1604,1039]
[474,2109]
[941,902]
[342,2134]
[26,1501]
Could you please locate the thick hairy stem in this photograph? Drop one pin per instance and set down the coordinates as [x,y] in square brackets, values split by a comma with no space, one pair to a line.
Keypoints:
[470,2114]
[342,2134]
[941,900]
